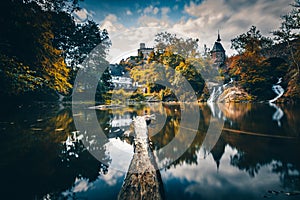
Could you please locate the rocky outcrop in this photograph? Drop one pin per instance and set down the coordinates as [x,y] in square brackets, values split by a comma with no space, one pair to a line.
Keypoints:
[234,94]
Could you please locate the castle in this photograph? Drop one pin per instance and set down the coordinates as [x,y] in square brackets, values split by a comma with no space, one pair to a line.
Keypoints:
[218,53]
[144,51]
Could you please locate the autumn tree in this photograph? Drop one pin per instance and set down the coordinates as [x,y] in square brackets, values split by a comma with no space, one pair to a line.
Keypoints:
[249,67]
[29,61]
[41,46]
[186,47]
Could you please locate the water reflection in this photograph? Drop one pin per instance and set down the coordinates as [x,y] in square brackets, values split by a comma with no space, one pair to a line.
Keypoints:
[44,156]
[278,114]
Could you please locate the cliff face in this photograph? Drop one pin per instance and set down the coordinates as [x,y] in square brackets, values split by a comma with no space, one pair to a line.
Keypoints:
[234,94]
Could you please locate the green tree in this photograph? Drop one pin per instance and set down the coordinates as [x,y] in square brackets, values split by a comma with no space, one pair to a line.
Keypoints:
[184,47]
[252,41]
[288,32]
[41,46]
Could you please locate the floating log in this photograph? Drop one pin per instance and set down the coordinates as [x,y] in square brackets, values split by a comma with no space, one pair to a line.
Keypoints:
[143,179]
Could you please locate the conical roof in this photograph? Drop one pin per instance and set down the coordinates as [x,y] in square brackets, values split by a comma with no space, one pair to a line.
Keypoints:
[218,46]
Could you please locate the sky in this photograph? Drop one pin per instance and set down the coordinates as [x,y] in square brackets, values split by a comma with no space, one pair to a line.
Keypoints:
[130,22]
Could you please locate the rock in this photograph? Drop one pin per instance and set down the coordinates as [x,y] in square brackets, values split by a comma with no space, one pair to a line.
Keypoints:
[234,94]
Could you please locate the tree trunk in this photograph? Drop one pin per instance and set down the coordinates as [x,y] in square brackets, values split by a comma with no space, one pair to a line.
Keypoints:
[143,179]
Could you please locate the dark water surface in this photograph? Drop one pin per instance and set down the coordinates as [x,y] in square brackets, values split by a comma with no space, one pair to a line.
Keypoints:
[256,156]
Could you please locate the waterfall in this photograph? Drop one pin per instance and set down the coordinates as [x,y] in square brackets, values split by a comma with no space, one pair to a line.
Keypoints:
[215,94]
[217,91]
[278,91]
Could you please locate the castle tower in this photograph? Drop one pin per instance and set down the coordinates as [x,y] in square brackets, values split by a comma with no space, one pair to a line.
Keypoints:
[144,52]
[218,53]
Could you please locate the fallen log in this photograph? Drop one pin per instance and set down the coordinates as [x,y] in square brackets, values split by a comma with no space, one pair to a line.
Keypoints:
[143,179]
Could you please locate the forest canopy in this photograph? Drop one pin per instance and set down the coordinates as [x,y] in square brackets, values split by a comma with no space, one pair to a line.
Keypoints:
[41,46]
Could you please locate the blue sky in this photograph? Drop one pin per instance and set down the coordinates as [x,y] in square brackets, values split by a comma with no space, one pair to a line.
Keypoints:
[130,22]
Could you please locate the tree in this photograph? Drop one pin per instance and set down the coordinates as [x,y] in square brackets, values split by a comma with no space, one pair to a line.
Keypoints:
[185,47]
[41,46]
[29,59]
[57,5]
[289,31]
[252,41]
[250,68]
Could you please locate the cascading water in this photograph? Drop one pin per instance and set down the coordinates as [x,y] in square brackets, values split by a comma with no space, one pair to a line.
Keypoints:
[278,90]
[217,91]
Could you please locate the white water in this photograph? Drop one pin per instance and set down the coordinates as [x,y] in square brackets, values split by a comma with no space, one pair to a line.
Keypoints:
[278,113]
[217,91]
[215,94]
[278,90]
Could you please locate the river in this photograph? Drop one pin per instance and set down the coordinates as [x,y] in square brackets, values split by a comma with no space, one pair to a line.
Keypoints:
[254,156]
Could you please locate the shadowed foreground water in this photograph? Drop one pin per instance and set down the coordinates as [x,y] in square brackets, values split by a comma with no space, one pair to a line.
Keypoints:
[44,157]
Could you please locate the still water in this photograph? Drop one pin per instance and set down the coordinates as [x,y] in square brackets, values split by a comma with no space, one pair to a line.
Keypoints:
[254,156]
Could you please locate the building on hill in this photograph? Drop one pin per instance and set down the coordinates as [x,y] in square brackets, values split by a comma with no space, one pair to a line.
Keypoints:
[144,51]
[218,53]
[120,79]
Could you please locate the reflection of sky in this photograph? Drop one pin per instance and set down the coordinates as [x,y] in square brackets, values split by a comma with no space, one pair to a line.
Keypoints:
[201,181]
[205,181]
[105,187]
[121,154]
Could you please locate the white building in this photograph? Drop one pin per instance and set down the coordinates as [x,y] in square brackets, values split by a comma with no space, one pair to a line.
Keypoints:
[120,79]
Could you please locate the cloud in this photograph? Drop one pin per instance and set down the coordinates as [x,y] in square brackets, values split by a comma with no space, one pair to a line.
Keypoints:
[199,20]
[155,10]
[111,24]
[165,11]
[128,12]
[231,18]
[126,43]
[147,21]
[126,40]
[151,10]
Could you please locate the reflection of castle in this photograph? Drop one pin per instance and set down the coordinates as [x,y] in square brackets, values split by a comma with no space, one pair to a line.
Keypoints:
[218,151]
[218,53]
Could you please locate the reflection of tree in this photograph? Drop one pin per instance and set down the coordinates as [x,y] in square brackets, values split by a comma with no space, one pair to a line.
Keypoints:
[171,129]
[292,114]
[245,163]
[289,175]
[32,154]
[256,152]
